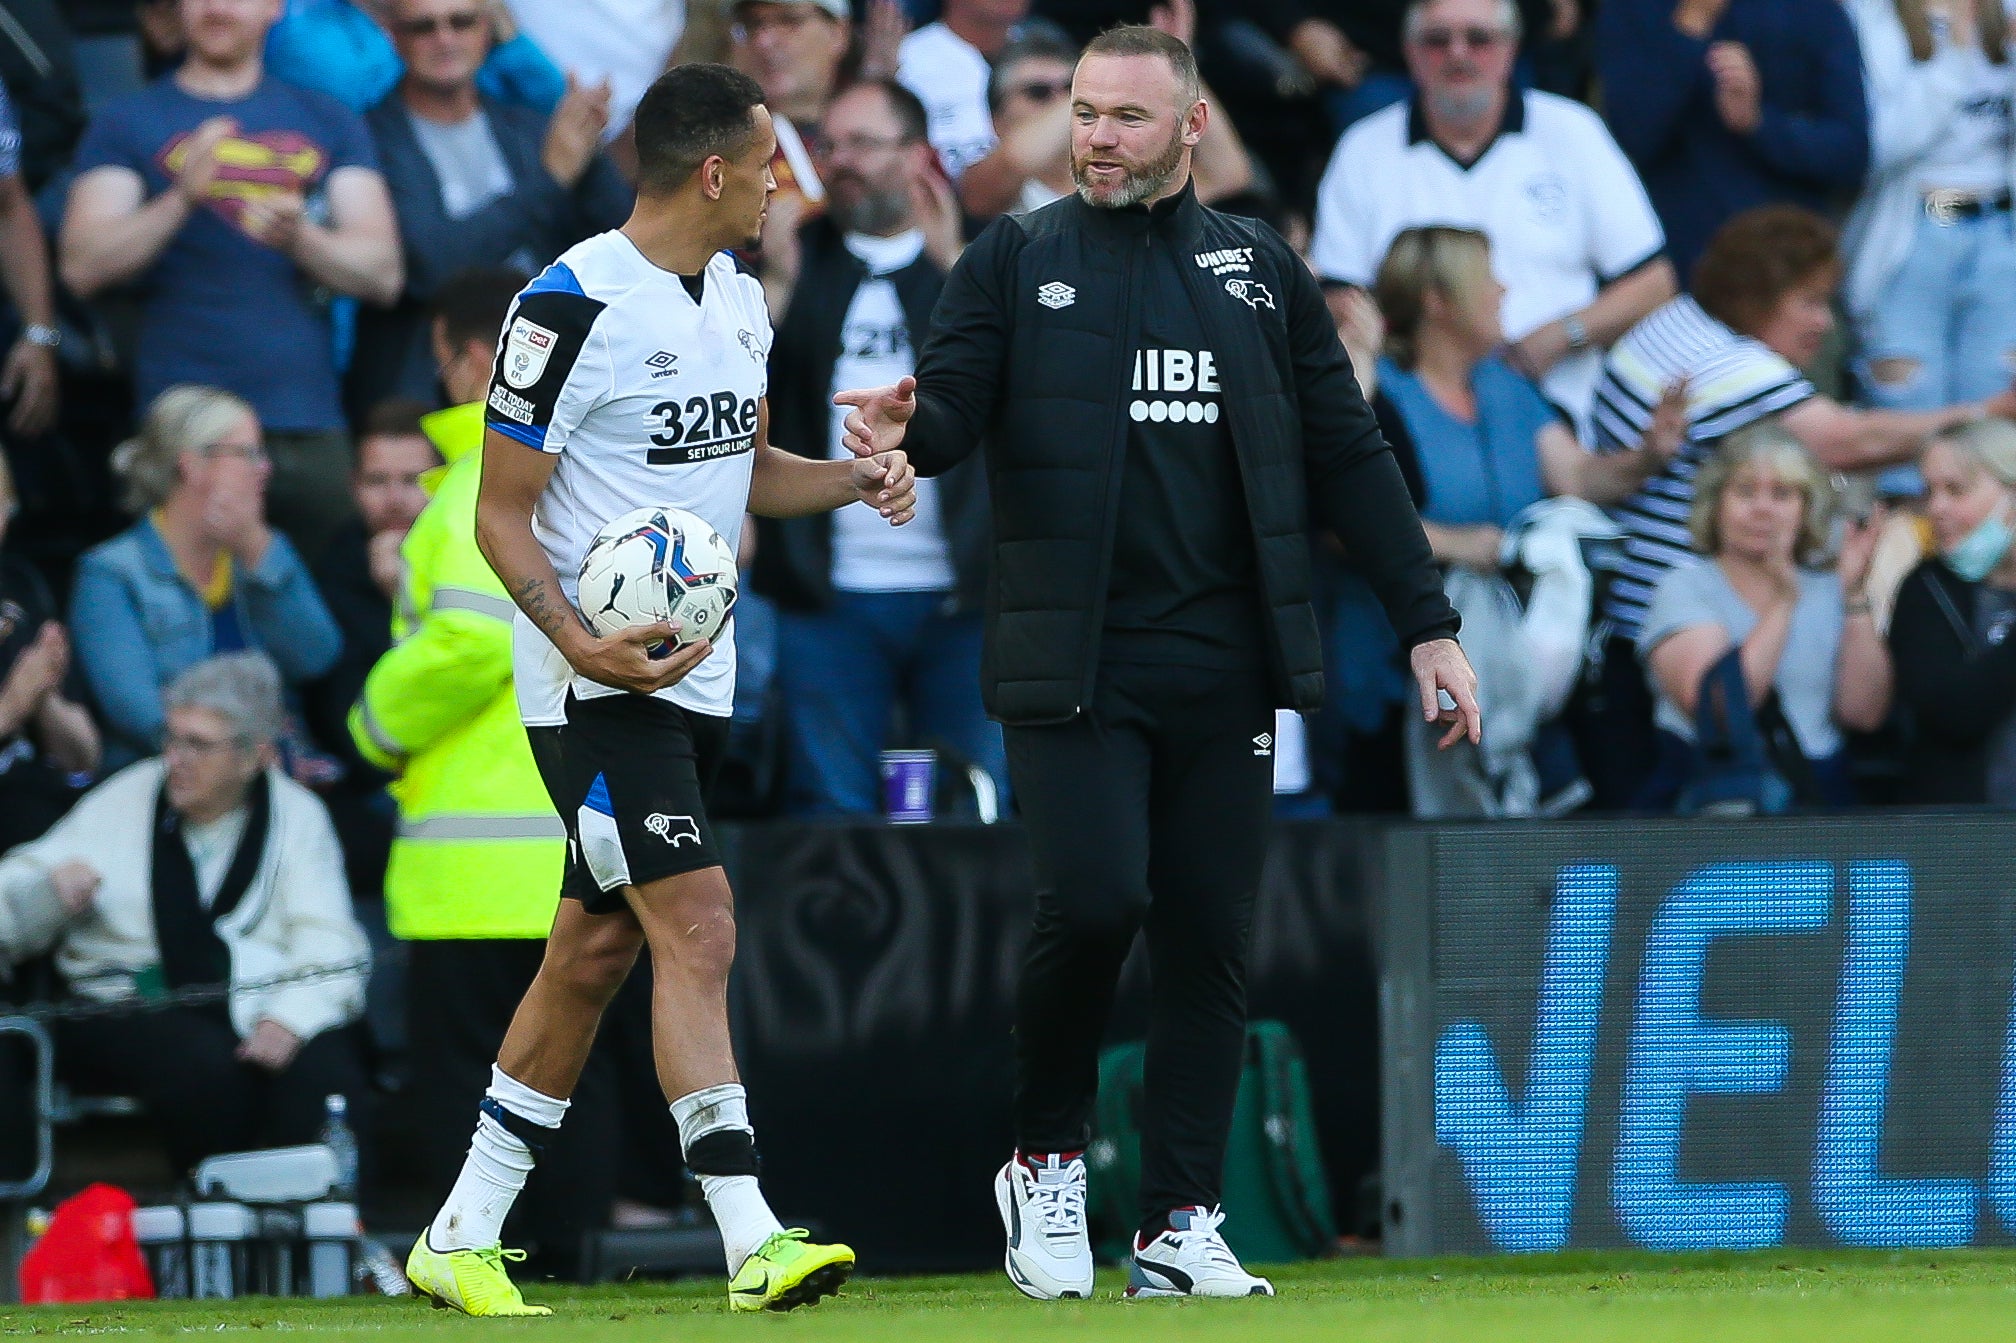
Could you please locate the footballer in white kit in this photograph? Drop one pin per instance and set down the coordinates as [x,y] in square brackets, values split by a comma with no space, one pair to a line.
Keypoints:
[631,372]
[646,393]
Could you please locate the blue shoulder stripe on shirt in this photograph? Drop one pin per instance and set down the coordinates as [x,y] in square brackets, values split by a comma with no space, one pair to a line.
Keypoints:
[556,278]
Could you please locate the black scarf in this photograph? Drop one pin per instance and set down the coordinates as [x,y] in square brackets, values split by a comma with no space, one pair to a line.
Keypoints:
[186,932]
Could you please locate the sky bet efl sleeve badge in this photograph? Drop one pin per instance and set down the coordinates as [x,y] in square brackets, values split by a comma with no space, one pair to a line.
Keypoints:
[526,351]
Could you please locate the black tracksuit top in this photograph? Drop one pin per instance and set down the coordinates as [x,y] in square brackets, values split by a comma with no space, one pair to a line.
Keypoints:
[1033,349]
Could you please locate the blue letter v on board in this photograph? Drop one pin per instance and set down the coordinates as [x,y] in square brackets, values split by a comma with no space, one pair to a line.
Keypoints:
[1520,1160]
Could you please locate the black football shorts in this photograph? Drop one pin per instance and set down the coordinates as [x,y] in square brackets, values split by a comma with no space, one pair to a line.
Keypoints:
[629,775]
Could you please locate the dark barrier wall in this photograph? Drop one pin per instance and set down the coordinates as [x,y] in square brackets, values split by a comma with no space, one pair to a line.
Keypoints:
[875,974]
[1693,1034]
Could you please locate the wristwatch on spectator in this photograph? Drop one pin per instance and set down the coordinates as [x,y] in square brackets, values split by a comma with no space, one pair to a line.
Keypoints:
[48,337]
[1578,334]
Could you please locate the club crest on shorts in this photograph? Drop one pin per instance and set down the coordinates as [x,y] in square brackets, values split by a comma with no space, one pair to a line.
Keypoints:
[526,351]
[1056,294]
[1250,292]
[674,830]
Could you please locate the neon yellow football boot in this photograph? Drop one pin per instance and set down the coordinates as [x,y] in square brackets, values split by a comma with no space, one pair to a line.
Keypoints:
[788,1271]
[471,1281]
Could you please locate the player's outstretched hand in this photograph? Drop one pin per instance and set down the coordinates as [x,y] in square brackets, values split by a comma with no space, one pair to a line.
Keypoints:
[876,422]
[1440,665]
[624,661]
[887,483]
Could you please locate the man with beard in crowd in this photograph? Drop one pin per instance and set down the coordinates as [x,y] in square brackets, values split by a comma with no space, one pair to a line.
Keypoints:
[1167,411]
[871,613]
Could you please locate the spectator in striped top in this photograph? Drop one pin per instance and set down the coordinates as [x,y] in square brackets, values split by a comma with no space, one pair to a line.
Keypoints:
[1760,309]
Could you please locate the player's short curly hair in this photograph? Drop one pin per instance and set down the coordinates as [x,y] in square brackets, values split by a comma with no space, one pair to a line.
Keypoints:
[1758,257]
[692,113]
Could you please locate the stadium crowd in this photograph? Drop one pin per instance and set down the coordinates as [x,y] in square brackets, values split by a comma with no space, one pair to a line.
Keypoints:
[1689,321]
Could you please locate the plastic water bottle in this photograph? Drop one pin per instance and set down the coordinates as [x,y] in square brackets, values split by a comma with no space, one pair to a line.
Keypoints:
[338,1138]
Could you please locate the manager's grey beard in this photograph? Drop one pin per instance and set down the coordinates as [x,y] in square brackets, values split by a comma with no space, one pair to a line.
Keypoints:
[1139,186]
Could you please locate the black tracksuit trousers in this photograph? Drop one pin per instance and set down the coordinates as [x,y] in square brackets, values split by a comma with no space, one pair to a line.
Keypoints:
[1149,810]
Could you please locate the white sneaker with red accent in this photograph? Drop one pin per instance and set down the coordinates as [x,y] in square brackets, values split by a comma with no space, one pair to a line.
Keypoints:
[1191,1259]
[1042,1202]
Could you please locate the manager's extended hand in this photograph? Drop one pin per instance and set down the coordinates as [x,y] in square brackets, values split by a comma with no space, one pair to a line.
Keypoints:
[1441,665]
[875,424]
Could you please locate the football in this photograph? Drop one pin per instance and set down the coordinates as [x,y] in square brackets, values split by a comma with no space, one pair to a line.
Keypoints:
[656,564]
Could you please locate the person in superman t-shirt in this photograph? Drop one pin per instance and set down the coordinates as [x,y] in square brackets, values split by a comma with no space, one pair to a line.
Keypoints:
[238,203]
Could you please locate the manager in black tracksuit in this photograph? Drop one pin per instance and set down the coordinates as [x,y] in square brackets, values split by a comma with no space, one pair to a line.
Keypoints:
[1166,407]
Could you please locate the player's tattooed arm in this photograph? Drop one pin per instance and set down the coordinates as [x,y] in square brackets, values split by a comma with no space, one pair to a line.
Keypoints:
[546,606]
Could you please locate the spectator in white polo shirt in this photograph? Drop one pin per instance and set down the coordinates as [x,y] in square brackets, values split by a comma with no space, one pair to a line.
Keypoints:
[1573,237]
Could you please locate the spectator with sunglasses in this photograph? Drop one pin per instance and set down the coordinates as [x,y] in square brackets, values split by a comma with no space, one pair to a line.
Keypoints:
[795,50]
[475,181]
[344,48]
[1029,96]
[1353,48]
[1573,237]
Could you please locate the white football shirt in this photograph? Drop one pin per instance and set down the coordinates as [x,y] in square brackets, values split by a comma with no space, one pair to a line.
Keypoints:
[949,76]
[1561,205]
[876,350]
[648,398]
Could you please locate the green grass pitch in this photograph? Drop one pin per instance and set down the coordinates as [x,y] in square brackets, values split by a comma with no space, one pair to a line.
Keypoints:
[1780,1296]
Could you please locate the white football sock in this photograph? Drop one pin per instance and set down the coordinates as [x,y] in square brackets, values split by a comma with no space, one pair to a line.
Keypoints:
[740,1210]
[495,1170]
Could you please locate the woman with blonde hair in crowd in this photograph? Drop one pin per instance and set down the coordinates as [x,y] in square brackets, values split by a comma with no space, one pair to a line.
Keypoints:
[1489,443]
[1807,645]
[1949,633]
[1489,448]
[200,573]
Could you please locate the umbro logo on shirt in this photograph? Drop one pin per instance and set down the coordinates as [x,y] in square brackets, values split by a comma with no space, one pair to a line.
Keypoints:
[1264,744]
[1056,294]
[662,364]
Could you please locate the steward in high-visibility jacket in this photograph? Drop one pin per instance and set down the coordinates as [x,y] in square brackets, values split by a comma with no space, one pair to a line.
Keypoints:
[479,850]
